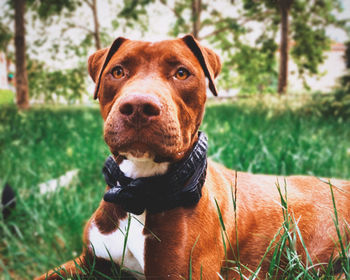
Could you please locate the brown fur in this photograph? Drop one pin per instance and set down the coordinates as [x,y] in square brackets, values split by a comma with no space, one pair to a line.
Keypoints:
[169,136]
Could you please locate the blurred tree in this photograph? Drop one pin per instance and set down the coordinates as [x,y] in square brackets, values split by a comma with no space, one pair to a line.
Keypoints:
[6,36]
[255,65]
[68,85]
[45,9]
[22,92]
[304,22]
[284,9]
[65,12]
[202,20]
[345,80]
[207,21]
[93,7]
[338,103]
[196,17]
[70,12]
[71,15]
[46,83]
[135,14]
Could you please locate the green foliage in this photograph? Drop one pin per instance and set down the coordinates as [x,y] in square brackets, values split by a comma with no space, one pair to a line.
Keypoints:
[133,15]
[345,80]
[338,102]
[309,32]
[52,85]
[45,9]
[257,76]
[135,9]
[6,97]
[255,64]
[335,104]
[308,22]
[5,36]
[183,20]
[347,55]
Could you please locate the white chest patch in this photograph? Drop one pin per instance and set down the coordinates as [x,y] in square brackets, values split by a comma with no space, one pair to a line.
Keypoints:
[142,167]
[111,245]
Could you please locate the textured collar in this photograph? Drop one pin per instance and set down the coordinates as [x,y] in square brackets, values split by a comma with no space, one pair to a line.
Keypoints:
[180,186]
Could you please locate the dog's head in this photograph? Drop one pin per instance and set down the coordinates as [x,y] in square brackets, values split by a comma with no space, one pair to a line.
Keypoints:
[152,95]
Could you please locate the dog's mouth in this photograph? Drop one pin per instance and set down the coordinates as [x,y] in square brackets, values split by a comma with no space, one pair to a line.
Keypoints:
[145,144]
[136,151]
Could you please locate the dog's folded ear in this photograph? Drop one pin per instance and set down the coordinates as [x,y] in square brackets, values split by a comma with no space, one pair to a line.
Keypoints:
[208,59]
[95,62]
[98,61]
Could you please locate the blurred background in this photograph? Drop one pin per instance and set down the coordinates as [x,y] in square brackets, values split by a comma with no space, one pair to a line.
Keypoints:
[283,105]
[263,44]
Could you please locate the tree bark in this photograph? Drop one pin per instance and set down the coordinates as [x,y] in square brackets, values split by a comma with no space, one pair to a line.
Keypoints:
[284,48]
[284,7]
[196,17]
[96,25]
[22,92]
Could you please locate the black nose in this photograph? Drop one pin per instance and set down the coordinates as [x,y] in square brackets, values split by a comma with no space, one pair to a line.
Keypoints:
[140,107]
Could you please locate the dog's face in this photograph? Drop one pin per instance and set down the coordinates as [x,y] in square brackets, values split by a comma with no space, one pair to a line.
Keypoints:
[152,95]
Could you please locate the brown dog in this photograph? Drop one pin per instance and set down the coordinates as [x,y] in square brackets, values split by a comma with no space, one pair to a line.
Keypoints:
[152,98]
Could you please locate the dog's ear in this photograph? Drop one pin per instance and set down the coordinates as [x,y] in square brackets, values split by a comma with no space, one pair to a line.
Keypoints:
[208,59]
[95,62]
[98,61]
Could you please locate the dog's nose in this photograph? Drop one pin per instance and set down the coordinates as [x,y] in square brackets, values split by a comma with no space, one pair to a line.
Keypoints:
[143,107]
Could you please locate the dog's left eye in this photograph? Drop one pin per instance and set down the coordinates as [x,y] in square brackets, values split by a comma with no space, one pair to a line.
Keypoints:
[182,74]
[118,72]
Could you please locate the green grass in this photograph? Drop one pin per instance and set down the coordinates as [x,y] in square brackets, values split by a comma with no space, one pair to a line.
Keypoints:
[264,139]
[46,142]
[36,146]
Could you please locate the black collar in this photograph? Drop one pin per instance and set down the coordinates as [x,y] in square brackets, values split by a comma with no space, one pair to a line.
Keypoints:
[180,186]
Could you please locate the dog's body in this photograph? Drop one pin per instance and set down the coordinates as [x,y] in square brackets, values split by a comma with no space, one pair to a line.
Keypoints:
[152,98]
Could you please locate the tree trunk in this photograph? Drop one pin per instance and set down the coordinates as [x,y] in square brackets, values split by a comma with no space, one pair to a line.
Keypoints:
[283,68]
[196,17]
[96,25]
[22,92]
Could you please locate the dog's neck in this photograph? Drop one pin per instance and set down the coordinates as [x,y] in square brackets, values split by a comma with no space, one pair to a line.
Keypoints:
[142,167]
[134,185]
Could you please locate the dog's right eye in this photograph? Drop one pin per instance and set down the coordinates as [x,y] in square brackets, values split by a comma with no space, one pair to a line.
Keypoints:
[118,72]
[182,74]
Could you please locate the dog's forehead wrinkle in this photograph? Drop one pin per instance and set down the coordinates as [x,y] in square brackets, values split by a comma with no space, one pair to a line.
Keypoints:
[127,60]
[149,55]
[174,59]
[169,48]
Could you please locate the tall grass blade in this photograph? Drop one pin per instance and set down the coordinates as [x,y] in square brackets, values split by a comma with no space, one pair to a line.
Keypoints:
[125,245]
[194,245]
[344,258]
